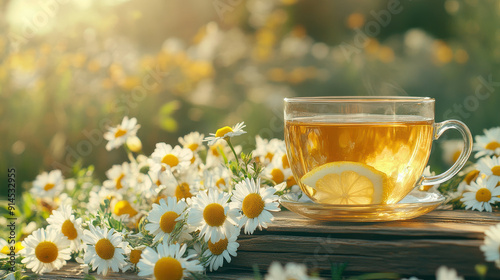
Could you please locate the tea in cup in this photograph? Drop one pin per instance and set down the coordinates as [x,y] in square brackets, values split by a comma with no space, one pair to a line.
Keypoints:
[364,150]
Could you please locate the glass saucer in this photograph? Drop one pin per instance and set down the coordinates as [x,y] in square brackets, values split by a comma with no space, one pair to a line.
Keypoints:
[413,205]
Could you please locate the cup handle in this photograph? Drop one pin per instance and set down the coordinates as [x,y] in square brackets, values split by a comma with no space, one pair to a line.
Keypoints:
[440,128]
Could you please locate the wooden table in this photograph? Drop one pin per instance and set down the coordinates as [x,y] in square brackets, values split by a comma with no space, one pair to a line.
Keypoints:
[411,248]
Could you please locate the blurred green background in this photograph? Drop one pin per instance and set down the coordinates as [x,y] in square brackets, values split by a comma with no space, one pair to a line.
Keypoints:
[69,69]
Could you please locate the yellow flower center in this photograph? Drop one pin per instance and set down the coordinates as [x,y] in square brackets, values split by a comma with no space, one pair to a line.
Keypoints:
[46,251]
[168,268]
[170,160]
[5,250]
[456,155]
[290,182]
[123,207]
[167,221]
[493,145]
[68,229]
[135,256]
[193,146]
[483,195]
[221,132]
[105,249]
[496,170]
[159,197]
[48,187]
[182,191]
[218,247]
[471,176]
[214,215]
[158,183]
[119,181]
[220,182]
[269,156]
[277,175]
[120,132]
[285,162]
[215,149]
[252,205]
[19,247]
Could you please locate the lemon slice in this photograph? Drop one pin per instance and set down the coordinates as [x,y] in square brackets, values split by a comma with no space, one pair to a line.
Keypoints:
[346,182]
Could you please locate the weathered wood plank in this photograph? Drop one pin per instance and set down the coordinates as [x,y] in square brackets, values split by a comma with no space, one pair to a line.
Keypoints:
[438,223]
[415,247]
[412,248]
[407,257]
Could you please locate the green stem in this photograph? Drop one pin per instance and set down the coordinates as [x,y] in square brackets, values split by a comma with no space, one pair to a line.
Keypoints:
[228,140]
[129,153]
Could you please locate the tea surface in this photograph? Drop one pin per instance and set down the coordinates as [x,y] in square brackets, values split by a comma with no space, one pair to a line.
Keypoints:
[398,146]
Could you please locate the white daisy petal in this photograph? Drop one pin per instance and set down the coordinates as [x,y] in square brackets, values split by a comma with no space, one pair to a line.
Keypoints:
[45,250]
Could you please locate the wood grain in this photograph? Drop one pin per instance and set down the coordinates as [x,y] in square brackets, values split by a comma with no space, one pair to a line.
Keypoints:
[411,248]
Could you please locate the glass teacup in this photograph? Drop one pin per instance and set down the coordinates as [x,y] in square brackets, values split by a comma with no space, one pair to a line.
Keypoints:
[364,150]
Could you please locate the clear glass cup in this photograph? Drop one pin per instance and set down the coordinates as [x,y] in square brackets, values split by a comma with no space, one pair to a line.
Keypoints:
[388,140]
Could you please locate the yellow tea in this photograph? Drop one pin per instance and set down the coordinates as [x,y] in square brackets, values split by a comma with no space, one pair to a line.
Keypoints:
[397,147]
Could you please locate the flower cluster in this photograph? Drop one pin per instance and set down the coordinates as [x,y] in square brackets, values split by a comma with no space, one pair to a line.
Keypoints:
[175,213]
[478,186]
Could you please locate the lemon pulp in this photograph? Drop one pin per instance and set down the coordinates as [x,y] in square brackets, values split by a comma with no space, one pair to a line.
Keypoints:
[347,183]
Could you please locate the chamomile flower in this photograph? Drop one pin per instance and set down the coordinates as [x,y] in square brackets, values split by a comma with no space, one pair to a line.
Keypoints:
[491,245]
[212,215]
[218,177]
[119,177]
[279,170]
[135,255]
[48,184]
[217,151]
[168,262]
[45,250]
[192,141]
[222,249]
[471,174]
[105,249]
[490,166]
[164,217]
[184,187]
[288,272]
[266,149]
[444,273]
[117,136]
[124,207]
[167,158]
[479,195]
[488,144]
[63,221]
[430,188]
[226,133]
[5,248]
[98,195]
[451,150]
[255,203]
